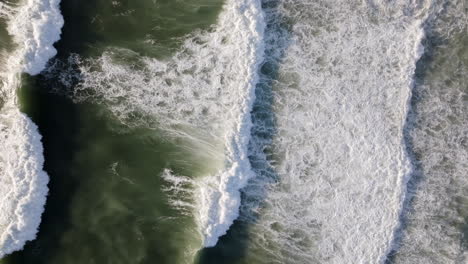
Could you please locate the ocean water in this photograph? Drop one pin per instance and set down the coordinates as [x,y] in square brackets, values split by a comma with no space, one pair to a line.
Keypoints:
[235,131]
[29,30]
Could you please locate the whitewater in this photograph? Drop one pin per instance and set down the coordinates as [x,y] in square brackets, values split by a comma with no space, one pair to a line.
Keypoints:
[296,112]
[202,95]
[34,26]
[435,224]
[345,72]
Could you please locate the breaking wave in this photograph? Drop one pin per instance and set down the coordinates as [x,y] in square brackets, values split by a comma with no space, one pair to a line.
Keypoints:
[201,95]
[34,25]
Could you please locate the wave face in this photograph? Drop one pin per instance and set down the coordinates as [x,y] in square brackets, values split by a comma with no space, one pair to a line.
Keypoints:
[202,95]
[344,79]
[34,26]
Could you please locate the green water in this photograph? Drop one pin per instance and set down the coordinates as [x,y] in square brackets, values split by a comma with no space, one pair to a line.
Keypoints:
[149,27]
[106,202]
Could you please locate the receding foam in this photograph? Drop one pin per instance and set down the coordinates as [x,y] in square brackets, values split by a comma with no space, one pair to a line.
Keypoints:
[34,26]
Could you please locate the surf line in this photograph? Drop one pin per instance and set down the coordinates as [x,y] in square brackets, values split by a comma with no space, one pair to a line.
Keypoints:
[34,26]
[219,195]
[407,194]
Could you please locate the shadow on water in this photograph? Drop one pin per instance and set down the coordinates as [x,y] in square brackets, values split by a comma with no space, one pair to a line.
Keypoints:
[57,120]
[432,43]
[131,233]
[233,247]
[56,117]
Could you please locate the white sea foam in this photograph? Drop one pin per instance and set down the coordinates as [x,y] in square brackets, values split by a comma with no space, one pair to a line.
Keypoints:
[437,219]
[203,94]
[23,183]
[34,26]
[341,101]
